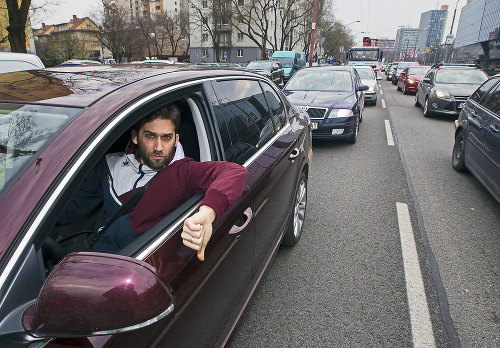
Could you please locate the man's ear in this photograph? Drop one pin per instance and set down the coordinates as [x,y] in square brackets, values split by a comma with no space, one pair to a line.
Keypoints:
[176,138]
[133,135]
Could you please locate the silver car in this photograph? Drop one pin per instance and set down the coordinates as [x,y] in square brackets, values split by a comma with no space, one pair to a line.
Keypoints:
[369,78]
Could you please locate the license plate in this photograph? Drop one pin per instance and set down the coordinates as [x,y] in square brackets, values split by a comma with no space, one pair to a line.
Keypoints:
[314,125]
[459,105]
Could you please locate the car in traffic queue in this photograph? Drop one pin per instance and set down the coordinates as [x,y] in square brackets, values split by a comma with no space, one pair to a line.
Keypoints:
[446,87]
[410,77]
[391,71]
[477,136]
[369,77]
[272,69]
[399,69]
[56,124]
[334,98]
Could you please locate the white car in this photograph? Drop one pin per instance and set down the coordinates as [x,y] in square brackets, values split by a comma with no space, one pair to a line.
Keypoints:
[369,77]
[10,61]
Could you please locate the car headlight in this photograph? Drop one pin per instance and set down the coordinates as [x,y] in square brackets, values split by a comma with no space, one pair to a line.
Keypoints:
[411,81]
[443,95]
[340,113]
[371,89]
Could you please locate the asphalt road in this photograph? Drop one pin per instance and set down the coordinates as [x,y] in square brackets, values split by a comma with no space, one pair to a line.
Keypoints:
[373,210]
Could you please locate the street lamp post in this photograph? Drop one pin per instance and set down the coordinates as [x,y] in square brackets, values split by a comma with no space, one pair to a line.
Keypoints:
[342,45]
[313,30]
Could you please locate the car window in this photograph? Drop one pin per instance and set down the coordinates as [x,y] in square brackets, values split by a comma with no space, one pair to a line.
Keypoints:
[492,100]
[243,118]
[276,106]
[25,129]
[465,76]
[367,74]
[321,80]
[482,90]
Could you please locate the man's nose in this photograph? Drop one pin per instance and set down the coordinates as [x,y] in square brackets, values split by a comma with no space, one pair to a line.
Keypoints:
[158,145]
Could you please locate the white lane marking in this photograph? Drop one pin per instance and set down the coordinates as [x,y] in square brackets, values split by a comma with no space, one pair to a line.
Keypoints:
[381,92]
[421,326]
[388,132]
[383,103]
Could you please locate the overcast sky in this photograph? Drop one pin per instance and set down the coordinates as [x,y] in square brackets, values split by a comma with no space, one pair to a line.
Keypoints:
[379,18]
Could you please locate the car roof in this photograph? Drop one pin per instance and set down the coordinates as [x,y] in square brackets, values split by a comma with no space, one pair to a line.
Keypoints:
[27,61]
[81,86]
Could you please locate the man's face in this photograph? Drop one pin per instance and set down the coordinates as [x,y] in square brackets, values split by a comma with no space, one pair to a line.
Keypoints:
[156,141]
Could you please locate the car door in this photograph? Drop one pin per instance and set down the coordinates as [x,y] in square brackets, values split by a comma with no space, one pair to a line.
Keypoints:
[425,86]
[267,143]
[477,116]
[489,120]
[206,295]
[359,94]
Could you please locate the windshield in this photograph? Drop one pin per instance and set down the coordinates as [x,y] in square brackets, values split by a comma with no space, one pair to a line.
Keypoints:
[285,62]
[316,80]
[259,65]
[418,70]
[364,55]
[366,74]
[24,129]
[465,76]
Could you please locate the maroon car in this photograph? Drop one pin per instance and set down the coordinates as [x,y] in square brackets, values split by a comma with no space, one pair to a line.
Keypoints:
[55,125]
[410,77]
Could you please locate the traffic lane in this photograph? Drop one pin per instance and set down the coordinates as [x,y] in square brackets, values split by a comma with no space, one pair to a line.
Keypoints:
[343,284]
[461,220]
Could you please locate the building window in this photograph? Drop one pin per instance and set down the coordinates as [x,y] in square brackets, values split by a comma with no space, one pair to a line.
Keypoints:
[157,8]
[204,37]
[204,4]
[239,53]
[224,39]
[240,36]
[241,2]
[204,53]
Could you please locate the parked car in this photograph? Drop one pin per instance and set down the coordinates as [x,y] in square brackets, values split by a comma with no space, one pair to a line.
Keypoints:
[291,61]
[477,136]
[227,65]
[399,69]
[411,76]
[56,124]
[10,61]
[271,69]
[391,70]
[333,97]
[369,78]
[79,62]
[445,88]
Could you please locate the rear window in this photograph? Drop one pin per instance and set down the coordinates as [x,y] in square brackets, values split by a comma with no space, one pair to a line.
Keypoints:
[24,129]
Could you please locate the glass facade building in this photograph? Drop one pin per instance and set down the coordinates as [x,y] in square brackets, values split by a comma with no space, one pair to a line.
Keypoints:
[478,37]
[432,25]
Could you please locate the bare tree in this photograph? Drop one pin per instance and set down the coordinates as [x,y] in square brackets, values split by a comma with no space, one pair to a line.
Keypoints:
[65,47]
[18,16]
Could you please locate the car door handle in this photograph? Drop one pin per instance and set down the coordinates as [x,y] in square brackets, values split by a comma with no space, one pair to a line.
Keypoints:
[495,128]
[246,216]
[293,156]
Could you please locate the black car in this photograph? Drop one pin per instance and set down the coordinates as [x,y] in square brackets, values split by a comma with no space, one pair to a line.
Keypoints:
[445,88]
[477,136]
[333,97]
[271,69]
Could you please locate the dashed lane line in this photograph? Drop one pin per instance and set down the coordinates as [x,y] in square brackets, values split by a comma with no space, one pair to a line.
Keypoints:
[421,326]
[388,132]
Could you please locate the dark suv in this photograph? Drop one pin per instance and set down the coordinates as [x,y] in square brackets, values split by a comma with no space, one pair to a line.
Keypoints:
[271,69]
[445,88]
[477,136]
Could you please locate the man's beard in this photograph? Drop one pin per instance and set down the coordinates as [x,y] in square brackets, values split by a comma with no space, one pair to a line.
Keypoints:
[156,164]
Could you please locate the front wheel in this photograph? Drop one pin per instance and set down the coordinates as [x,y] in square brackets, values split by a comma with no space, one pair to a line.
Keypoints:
[296,222]
[458,156]
[354,137]
[416,99]
[404,89]
[427,112]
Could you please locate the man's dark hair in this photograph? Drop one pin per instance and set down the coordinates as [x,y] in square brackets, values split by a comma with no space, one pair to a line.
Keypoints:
[167,112]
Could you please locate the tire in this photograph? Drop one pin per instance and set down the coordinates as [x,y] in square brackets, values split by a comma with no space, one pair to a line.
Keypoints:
[458,156]
[296,222]
[404,89]
[427,113]
[398,87]
[354,137]
[417,104]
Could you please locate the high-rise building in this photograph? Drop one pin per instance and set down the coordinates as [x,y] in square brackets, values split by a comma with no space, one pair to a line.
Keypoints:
[406,43]
[432,25]
[478,33]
